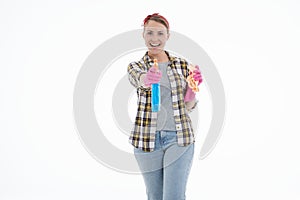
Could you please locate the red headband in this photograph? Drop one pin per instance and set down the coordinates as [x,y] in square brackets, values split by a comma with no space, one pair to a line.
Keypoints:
[157,15]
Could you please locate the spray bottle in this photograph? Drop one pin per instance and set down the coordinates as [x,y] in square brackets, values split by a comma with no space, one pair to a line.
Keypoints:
[155,93]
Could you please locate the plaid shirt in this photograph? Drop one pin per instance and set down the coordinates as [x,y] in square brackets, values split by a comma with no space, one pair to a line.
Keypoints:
[143,134]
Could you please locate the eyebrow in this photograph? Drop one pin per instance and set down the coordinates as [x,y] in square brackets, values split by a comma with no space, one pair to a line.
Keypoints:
[161,31]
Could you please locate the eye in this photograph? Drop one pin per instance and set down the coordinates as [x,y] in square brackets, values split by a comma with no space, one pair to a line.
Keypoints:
[160,33]
[149,32]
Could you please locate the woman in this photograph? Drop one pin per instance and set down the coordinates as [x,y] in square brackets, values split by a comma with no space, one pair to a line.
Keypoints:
[163,141]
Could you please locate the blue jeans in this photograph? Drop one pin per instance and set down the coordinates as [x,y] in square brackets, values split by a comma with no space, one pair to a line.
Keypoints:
[166,169]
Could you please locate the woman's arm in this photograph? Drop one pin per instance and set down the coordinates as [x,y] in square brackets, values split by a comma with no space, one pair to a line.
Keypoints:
[190,96]
[136,74]
[191,105]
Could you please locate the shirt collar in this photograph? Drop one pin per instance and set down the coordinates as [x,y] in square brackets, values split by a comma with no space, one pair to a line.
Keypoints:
[148,61]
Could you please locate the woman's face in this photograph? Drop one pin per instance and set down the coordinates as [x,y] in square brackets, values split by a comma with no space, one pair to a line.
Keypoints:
[155,35]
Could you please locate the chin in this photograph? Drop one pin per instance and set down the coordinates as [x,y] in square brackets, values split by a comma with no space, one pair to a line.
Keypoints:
[155,52]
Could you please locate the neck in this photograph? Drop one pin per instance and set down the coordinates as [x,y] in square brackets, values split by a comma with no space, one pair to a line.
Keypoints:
[161,57]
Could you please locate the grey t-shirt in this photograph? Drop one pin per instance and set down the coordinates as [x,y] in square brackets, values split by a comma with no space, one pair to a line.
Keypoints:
[165,117]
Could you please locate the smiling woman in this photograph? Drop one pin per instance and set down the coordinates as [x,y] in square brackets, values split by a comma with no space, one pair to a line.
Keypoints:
[156,34]
[163,141]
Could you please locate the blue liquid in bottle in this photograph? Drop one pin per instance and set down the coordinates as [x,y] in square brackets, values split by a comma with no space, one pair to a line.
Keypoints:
[155,97]
[155,92]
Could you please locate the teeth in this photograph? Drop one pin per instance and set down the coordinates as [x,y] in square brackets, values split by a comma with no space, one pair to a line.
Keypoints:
[154,45]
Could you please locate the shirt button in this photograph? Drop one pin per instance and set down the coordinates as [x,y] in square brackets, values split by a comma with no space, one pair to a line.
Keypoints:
[177,127]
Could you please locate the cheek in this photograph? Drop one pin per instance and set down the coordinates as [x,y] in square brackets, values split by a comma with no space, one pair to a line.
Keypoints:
[163,39]
[147,38]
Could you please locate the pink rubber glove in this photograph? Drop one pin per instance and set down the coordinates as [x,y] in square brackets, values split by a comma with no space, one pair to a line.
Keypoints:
[190,95]
[197,75]
[152,76]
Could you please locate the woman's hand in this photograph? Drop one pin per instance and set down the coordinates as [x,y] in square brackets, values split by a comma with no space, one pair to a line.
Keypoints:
[152,76]
[197,75]
[192,87]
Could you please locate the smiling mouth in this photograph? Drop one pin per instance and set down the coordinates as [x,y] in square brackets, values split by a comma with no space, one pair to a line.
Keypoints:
[154,45]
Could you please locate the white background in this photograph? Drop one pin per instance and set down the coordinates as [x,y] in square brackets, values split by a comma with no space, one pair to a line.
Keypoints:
[254,44]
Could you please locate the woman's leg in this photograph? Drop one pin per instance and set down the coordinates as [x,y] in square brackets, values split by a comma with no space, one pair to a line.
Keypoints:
[151,166]
[165,170]
[177,164]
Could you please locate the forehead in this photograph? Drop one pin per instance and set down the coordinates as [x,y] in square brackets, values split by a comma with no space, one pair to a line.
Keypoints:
[150,28]
[155,24]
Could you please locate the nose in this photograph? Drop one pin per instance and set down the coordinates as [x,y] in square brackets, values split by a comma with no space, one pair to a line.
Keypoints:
[154,38]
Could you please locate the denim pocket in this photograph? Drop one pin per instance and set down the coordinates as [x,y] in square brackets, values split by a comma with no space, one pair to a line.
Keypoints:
[170,138]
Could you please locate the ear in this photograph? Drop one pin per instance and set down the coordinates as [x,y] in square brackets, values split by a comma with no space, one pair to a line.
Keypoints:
[168,35]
